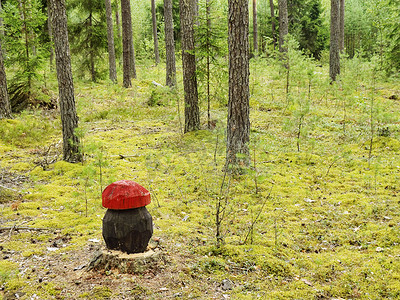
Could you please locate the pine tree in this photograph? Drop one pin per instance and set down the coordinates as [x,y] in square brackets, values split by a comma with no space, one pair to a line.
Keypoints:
[283,23]
[5,108]
[69,118]
[110,38]
[169,44]
[238,127]
[127,44]
[192,114]
[155,37]
[88,35]
[334,58]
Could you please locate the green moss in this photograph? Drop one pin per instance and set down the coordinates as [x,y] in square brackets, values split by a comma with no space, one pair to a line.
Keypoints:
[8,270]
[98,292]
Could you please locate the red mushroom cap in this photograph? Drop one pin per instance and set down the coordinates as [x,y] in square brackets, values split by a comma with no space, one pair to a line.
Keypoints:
[125,194]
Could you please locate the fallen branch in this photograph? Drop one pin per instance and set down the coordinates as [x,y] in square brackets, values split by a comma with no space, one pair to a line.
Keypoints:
[16,228]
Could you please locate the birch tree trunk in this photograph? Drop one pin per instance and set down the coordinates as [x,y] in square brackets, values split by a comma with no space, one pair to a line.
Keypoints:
[238,123]
[69,118]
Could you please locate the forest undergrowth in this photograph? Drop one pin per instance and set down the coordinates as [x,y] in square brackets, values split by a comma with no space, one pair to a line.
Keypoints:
[315,216]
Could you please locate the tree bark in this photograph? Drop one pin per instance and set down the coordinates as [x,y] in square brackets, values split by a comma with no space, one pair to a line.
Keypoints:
[283,24]
[1,24]
[169,44]
[5,108]
[69,118]
[132,64]
[192,115]
[110,38]
[334,58]
[91,46]
[255,27]
[50,30]
[271,4]
[155,37]
[238,127]
[341,39]
[117,22]
[126,42]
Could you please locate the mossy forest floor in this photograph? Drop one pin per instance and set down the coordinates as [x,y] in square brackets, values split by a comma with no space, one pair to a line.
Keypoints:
[316,216]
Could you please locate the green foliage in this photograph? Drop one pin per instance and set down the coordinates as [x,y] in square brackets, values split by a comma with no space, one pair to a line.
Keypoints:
[211,50]
[26,48]
[307,26]
[161,96]
[88,37]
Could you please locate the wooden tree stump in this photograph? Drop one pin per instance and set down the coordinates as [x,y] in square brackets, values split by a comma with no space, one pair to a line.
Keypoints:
[135,263]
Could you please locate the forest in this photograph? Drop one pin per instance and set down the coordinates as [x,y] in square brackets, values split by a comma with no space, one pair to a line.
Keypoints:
[267,133]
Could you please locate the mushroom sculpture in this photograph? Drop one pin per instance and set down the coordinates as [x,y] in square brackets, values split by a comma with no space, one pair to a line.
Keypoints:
[127,224]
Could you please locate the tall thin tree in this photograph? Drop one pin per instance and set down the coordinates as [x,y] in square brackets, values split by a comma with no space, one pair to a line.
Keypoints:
[272,8]
[110,38]
[169,44]
[5,108]
[50,30]
[334,57]
[255,27]
[238,127]
[155,36]
[283,24]
[132,63]
[117,20]
[192,114]
[341,35]
[69,118]
[126,41]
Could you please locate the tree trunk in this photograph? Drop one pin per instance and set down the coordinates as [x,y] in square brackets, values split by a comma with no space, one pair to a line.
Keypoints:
[69,118]
[110,38]
[126,42]
[208,63]
[1,24]
[50,30]
[255,28]
[155,37]
[117,22]
[271,4]
[192,115]
[341,39]
[91,46]
[238,127]
[334,58]
[5,108]
[132,64]
[24,30]
[283,24]
[169,44]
